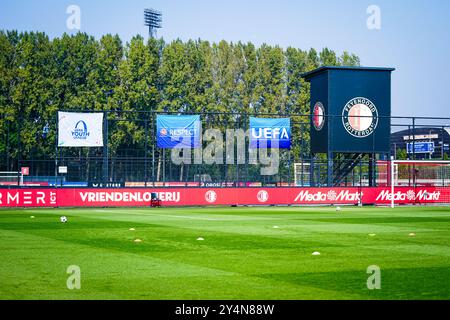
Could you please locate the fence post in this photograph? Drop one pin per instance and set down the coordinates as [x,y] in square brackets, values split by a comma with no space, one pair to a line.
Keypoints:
[330,156]
[105,147]
[153,147]
[246,139]
[56,149]
[392,181]
[414,139]
[145,151]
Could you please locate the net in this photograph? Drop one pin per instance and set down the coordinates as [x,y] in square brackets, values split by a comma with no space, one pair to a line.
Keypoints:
[419,182]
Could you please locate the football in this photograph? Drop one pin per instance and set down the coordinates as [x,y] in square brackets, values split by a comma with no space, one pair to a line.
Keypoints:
[63,219]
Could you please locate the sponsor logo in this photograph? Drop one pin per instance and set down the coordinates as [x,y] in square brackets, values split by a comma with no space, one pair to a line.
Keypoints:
[210,196]
[216,184]
[163,132]
[410,195]
[182,132]
[81,131]
[329,196]
[318,116]
[127,196]
[262,196]
[106,185]
[27,198]
[360,117]
[269,133]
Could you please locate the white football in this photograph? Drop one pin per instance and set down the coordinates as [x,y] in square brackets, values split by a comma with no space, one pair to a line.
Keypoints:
[63,219]
[338,209]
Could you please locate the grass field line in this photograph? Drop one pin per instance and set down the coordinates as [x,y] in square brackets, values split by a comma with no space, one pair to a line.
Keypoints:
[304,213]
[307,225]
[300,225]
[228,217]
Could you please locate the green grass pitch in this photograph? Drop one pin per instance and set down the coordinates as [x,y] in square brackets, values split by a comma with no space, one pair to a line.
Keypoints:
[242,255]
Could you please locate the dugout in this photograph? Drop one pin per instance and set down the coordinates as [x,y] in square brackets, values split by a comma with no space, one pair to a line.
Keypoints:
[350,119]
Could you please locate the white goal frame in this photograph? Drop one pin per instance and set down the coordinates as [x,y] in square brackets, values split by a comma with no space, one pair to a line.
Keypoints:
[394,171]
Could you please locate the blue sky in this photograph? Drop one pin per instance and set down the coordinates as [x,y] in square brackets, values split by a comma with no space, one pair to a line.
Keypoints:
[414,36]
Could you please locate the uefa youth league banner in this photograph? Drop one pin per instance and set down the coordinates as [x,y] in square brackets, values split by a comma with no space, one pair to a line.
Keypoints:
[270,133]
[175,132]
[80,129]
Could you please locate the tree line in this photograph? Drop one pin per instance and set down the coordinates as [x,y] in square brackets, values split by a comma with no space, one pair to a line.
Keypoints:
[39,76]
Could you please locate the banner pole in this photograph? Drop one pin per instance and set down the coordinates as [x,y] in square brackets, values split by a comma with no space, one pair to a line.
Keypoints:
[153,148]
[56,149]
[146,151]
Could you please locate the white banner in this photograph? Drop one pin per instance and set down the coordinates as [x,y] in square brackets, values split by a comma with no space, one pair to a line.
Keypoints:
[80,129]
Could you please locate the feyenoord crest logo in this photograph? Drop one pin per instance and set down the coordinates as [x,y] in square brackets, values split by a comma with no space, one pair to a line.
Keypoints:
[211,196]
[318,116]
[263,196]
[360,117]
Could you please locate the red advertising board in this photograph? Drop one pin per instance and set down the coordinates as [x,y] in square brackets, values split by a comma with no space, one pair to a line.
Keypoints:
[129,197]
[35,197]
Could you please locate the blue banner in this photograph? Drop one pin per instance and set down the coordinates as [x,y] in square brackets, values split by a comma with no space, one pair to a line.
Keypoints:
[270,133]
[420,147]
[178,131]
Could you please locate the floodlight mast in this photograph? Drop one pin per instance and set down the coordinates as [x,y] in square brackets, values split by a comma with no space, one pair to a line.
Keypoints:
[153,20]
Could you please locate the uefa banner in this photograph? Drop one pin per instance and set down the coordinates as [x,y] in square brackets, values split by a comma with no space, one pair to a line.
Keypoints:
[270,133]
[80,129]
[131,197]
[178,131]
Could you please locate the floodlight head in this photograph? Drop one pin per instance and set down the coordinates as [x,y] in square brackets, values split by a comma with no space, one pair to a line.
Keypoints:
[153,20]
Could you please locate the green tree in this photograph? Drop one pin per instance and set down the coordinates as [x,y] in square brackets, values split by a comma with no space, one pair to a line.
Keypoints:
[39,76]
[347,59]
[401,154]
[328,57]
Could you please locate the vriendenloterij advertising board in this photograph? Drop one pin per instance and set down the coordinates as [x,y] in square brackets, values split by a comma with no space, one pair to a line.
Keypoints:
[76,129]
[270,133]
[175,132]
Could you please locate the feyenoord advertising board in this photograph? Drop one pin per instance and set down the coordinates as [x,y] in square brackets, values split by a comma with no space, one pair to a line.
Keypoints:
[130,197]
[350,109]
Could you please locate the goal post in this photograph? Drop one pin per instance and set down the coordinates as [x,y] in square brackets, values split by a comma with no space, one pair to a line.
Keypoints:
[302,174]
[426,181]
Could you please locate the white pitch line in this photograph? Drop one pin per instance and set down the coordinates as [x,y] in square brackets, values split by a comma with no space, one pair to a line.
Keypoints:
[163,215]
[232,218]
[182,217]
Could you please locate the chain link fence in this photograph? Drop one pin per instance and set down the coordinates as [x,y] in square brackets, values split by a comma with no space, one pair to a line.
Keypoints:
[131,158]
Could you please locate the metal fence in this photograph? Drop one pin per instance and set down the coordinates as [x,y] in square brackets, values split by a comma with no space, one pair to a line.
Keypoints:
[131,157]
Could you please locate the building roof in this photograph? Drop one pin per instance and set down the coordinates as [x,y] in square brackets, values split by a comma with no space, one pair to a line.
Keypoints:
[313,73]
